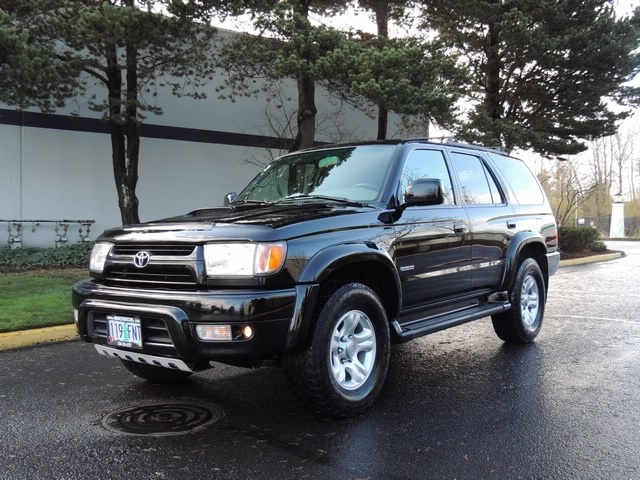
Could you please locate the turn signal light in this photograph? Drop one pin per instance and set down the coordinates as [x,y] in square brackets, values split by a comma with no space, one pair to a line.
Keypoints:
[270,257]
[214,332]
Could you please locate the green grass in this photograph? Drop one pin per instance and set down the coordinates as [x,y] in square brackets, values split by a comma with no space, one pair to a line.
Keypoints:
[37,299]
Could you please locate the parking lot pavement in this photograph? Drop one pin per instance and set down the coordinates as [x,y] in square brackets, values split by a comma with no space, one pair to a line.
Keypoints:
[458,404]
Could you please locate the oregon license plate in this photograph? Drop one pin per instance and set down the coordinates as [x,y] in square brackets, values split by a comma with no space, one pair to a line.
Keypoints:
[124,331]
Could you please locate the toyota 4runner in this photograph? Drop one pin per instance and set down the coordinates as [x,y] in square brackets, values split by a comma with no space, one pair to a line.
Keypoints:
[324,260]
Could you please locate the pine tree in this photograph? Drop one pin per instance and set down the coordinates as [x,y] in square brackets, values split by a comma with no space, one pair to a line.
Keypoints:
[30,72]
[407,76]
[129,47]
[287,46]
[545,74]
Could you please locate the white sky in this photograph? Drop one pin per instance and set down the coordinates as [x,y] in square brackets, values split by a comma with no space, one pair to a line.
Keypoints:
[366,23]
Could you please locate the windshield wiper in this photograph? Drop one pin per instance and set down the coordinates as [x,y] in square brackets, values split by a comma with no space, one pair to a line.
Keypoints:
[255,202]
[308,196]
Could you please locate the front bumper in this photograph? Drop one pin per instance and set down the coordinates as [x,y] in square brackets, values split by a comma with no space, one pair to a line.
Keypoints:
[169,318]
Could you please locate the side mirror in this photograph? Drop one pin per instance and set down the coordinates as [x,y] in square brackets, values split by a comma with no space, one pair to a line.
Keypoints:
[229,197]
[424,191]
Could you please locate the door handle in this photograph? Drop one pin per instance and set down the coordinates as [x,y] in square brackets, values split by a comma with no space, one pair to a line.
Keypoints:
[460,228]
[511,224]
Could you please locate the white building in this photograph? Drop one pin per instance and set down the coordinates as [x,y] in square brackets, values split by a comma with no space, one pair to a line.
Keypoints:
[57,167]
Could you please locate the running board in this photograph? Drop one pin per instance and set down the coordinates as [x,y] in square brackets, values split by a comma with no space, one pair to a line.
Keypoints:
[170,363]
[419,328]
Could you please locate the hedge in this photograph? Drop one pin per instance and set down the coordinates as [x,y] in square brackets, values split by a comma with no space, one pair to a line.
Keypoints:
[575,239]
[28,258]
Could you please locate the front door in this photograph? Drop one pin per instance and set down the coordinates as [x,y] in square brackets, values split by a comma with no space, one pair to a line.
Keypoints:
[433,251]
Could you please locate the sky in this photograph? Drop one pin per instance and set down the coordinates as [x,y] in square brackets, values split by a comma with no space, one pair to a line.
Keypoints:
[365,23]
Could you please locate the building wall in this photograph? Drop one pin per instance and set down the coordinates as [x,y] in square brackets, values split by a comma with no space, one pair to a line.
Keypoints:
[55,167]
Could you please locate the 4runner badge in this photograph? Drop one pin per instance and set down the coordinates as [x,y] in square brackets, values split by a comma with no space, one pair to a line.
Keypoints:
[141,259]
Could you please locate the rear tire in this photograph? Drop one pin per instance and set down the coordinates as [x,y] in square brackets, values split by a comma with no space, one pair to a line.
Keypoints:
[522,323]
[155,374]
[343,371]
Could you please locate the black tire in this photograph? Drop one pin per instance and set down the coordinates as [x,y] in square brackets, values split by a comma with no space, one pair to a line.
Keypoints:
[344,369]
[155,374]
[522,323]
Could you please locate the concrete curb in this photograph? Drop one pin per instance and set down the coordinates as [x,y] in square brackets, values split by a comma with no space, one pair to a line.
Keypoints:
[62,333]
[28,338]
[593,259]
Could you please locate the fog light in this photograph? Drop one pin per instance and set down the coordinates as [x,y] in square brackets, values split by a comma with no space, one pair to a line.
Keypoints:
[247,331]
[214,332]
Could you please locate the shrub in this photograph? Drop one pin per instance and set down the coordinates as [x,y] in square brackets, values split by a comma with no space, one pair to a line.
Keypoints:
[575,239]
[23,259]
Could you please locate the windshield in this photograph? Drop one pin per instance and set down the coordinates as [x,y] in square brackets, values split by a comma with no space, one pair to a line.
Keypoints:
[348,173]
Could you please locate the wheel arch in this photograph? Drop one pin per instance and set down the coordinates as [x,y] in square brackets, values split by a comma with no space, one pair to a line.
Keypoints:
[524,245]
[356,262]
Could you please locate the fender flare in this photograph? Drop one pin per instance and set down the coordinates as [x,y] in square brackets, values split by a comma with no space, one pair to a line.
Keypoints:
[519,241]
[329,259]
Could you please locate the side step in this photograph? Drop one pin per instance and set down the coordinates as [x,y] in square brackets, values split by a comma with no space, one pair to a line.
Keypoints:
[409,331]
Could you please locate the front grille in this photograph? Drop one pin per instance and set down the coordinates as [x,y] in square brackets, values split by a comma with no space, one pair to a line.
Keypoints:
[155,335]
[171,266]
[174,277]
[168,250]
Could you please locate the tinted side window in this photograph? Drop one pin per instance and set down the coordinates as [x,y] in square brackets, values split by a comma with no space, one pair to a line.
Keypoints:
[523,183]
[477,183]
[427,164]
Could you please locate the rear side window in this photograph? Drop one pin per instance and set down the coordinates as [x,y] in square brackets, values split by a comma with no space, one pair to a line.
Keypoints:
[523,183]
[477,184]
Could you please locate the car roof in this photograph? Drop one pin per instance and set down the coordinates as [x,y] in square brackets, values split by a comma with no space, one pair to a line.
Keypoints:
[437,141]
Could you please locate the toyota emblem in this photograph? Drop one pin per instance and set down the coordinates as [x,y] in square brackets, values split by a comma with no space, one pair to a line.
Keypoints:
[141,259]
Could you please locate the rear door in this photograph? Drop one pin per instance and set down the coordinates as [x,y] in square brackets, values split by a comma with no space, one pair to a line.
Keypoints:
[433,250]
[492,219]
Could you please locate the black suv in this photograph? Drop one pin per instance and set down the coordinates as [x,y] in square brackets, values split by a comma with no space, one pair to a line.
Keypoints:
[326,258]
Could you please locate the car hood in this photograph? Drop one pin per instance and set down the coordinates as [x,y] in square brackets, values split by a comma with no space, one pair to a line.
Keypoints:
[255,222]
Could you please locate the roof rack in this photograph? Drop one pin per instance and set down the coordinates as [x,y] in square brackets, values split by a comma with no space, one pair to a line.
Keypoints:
[449,140]
[444,139]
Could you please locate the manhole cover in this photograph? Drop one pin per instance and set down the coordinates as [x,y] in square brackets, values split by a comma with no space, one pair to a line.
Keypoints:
[162,419]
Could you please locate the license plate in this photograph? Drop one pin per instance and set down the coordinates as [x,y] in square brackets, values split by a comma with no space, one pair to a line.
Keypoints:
[124,331]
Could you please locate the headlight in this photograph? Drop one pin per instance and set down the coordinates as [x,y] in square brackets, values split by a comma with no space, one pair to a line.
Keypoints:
[99,256]
[243,259]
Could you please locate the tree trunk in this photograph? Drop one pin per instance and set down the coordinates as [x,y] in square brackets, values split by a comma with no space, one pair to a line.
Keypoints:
[125,141]
[131,203]
[306,118]
[492,102]
[383,121]
[381,9]
[306,114]
[492,78]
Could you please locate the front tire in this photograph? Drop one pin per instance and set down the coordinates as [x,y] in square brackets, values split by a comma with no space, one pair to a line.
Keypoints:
[522,323]
[343,370]
[155,374]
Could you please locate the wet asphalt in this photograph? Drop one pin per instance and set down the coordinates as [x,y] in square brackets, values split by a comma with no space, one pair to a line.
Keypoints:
[457,405]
